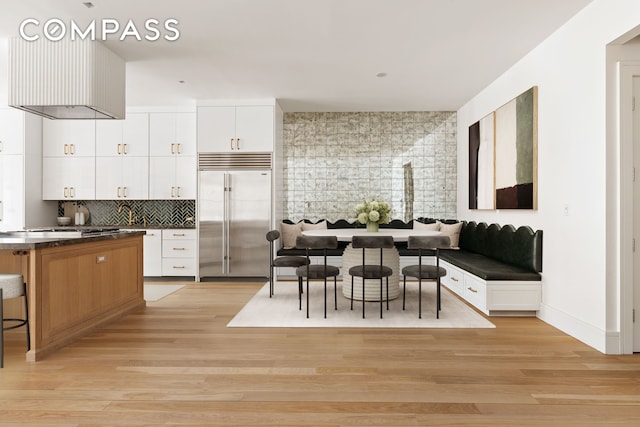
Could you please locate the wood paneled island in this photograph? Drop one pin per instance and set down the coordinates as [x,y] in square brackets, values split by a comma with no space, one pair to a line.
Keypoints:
[75,284]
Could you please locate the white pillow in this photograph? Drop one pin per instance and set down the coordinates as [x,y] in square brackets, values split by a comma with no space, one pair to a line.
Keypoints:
[417,225]
[322,225]
[290,233]
[453,231]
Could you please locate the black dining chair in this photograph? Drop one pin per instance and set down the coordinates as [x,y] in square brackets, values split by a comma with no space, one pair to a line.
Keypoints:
[281,261]
[317,271]
[425,271]
[371,271]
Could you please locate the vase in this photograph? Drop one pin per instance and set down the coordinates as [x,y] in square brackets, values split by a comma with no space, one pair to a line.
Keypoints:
[372,226]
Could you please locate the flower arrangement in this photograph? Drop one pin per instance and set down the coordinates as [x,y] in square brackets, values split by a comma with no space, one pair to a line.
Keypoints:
[372,213]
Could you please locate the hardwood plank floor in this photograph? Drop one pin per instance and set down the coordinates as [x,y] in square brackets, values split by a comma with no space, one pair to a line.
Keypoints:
[176,363]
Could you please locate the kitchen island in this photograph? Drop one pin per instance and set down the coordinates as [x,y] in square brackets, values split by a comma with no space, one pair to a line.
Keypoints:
[77,282]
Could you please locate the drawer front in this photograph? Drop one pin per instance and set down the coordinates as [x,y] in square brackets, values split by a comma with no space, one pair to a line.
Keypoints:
[178,248]
[178,234]
[475,291]
[178,267]
[454,280]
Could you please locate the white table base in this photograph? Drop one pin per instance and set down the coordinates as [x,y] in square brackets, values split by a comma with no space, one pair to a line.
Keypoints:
[352,257]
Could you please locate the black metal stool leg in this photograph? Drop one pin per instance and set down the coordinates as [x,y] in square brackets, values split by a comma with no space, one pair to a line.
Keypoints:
[351,292]
[26,317]
[381,297]
[335,292]
[420,298]
[363,298]
[404,289]
[387,292]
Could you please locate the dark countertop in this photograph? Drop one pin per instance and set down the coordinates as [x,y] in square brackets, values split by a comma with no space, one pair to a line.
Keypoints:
[16,242]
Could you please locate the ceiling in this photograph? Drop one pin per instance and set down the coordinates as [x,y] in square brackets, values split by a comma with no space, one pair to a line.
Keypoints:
[315,55]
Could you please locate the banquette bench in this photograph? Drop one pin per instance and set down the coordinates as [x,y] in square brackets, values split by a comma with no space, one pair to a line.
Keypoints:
[496,269]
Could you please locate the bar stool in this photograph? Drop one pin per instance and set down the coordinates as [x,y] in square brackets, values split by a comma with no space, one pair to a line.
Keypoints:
[12,286]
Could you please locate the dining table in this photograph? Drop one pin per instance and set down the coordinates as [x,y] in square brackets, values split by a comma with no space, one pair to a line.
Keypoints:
[352,256]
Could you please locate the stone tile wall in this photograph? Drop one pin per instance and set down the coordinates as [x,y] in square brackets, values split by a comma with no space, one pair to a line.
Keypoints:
[334,160]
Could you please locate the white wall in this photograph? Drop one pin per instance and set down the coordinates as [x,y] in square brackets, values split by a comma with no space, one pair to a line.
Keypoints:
[570,71]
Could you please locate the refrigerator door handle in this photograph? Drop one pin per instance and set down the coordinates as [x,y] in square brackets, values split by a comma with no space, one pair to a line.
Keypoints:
[227,213]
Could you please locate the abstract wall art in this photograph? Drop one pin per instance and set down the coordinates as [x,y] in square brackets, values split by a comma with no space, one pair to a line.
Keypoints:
[503,161]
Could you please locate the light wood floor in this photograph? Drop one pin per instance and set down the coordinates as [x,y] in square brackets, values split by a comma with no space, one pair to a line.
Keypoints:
[176,363]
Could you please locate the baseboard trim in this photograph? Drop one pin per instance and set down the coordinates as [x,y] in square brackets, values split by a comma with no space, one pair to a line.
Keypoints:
[579,329]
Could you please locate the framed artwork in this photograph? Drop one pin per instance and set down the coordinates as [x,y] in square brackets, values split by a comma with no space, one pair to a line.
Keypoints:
[503,156]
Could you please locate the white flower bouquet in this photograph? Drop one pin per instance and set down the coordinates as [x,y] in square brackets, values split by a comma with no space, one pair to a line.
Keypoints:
[373,211]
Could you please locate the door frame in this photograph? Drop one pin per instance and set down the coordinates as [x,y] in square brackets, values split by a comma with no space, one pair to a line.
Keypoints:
[627,70]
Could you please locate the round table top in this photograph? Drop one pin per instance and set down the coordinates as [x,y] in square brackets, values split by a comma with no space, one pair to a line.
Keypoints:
[346,234]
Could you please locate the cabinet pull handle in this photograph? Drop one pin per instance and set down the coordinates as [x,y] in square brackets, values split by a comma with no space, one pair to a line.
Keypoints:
[472,290]
[178,266]
[119,148]
[72,192]
[237,143]
[66,149]
[124,190]
[172,191]
[125,148]
[173,148]
[72,149]
[454,279]
[178,234]
[179,249]
[66,192]
[178,191]
[179,148]
[231,143]
[119,192]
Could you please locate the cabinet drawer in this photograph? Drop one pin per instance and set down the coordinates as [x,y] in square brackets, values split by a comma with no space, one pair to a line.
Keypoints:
[178,266]
[177,234]
[178,248]
[475,291]
[454,280]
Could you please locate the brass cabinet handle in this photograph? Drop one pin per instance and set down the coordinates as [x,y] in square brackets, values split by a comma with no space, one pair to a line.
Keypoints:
[178,234]
[72,192]
[125,148]
[173,148]
[179,148]
[231,143]
[237,143]
[179,266]
[66,149]
[472,290]
[119,190]
[119,151]
[179,249]
[66,192]
[72,149]
[453,279]
[178,191]
[124,191]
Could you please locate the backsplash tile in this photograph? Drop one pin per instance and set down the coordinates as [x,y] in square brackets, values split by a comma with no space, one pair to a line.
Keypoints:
[333,160]
[163,213]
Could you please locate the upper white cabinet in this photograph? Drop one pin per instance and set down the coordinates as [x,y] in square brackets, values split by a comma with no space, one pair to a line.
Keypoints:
[68,178]
[172,177]
[11,131]
[236,128]
[122,177]
[172,134]
[66,138]
[129,137]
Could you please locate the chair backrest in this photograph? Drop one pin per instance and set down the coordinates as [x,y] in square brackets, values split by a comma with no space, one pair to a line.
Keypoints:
[273,235]
[429,242]
[316,242]
[372,242]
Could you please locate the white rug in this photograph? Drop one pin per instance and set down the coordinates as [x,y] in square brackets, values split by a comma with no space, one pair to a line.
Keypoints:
[282,310]
[157,292]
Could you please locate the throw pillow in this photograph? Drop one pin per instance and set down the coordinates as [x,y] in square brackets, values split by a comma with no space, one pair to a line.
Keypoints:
[453,231]
[417,225]
[322,225]
[290,233]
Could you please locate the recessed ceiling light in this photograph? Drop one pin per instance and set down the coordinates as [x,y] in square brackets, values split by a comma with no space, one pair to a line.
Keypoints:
[88,4]
[381,75]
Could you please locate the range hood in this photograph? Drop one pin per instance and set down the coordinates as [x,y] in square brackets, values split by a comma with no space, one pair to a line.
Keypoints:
[66,79]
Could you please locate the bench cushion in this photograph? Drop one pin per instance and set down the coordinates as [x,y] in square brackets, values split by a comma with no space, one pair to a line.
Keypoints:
[487,268]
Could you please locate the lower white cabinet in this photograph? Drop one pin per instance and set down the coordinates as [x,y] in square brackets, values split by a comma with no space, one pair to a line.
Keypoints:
[172,177]
[68,178]
[179,252]
[153,253]
[494,297]
[119,178]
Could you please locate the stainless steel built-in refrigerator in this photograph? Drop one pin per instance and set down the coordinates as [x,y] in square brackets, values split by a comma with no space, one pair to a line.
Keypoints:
[234,211]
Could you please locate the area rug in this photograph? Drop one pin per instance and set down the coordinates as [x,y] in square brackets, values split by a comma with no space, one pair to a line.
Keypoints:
[282,310]
[157,292]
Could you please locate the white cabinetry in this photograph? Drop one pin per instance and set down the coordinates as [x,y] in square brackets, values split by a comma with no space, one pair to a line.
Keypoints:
[153,253]
[236,128]
[494,297]
[179,252]
[68,163]
[68,138]
[21,203]
[172,160]
[122,162]
[172,134]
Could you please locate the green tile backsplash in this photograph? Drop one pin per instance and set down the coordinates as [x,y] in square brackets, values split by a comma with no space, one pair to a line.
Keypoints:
[162,213]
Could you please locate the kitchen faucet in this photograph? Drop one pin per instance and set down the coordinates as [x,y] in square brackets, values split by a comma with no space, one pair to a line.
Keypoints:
[130,212]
